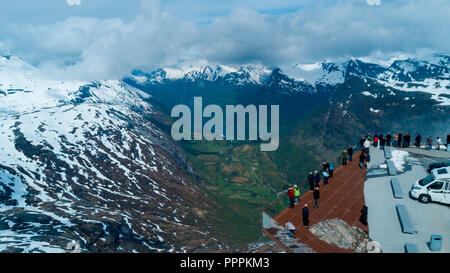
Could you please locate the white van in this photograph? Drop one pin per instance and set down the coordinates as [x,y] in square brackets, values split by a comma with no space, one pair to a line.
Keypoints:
[433,188]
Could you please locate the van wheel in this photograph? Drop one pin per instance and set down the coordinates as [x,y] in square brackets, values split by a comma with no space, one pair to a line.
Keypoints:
[424,198]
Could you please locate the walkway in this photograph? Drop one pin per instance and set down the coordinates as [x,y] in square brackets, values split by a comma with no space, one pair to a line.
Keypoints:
[343,199]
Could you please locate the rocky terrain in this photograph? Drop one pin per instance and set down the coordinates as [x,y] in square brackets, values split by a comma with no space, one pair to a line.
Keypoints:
[338,233]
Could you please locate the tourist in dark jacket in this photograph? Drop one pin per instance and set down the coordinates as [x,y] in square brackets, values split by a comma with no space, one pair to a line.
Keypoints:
[350,153]
[316,195]
[330,169]
[326,176]
[418,140]
[382,142]
[406,140]
[311,181]
[388,139]
[400,140]
[364,214]
[448,143]
[316,178]
[305,216]
[362,157]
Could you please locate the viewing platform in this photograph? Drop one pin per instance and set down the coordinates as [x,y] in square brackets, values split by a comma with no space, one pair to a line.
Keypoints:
[343,199]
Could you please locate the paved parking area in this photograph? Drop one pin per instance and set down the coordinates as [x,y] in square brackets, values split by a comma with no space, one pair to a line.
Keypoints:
[427,219]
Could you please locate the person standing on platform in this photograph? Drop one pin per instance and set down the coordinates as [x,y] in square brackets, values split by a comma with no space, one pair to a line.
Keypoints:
[326,175]
[316,178]
[311,181]
[400,140]
[362,157]
[429,143]
[418,140]
[344,157]
[291,196]
[350,153]
[316,195]
[367,146]
[382,142]
[448,143]
[305,214]
[388,139]
[331,169]
[296,194]
[367,161]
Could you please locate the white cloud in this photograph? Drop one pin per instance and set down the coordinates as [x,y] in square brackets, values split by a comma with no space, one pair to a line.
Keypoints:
[373,2]
[84,47]
[73,2]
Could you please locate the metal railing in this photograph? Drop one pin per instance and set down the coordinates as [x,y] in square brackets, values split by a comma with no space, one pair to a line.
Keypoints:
[283,237]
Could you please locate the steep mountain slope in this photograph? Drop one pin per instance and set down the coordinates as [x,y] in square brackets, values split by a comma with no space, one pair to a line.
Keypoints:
[81,162]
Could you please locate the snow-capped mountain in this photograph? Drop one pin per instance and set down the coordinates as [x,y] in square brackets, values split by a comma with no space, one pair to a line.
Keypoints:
[429,76]
[79,162]
[234,74]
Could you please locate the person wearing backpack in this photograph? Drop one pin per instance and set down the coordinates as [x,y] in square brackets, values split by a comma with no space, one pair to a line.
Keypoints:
[296,194]
[331,168]
[326,175]
[316,195]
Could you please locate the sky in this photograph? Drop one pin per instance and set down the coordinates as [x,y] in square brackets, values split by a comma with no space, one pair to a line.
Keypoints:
[108,38]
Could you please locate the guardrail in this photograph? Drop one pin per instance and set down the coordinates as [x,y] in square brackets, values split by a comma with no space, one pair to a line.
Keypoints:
[283,237]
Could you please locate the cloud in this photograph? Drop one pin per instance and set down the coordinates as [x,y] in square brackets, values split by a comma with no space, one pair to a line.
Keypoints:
[73,2]
[373,2]
[87,47]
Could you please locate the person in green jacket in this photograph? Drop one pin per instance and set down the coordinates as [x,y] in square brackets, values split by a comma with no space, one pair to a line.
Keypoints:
[344,157]
[296,194]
